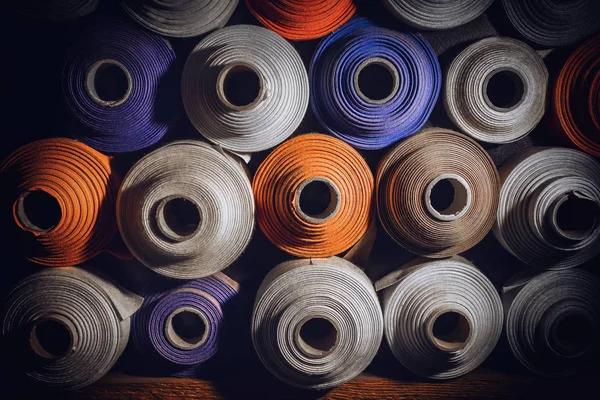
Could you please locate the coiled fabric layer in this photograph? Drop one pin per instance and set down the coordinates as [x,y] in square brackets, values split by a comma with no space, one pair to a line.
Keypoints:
[245,88]
[179,328]
[68,325]
[553,320]
[186,210]
[432,15]
[316,323]
[55,10]
[373,114]
[180,18]
[496,90]
[340,176]
[437,193]
[442,318]
[118,87]
[58,202]
[549,210]
[554,23]
[302,19]
[576,98]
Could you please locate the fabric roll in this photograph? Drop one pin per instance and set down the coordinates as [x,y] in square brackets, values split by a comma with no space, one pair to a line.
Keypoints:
[372,87]
[58,202]
[68,326]
[302,19]
[437,15]
[553,321]
[54,10]
[179,328]
[496,90]
[245,88]
[442,318]
[554,23]
[118,87]
[313,196]
[316,323]
[576,98]
[437,193]
[186,210]
[179,18]
[549,209]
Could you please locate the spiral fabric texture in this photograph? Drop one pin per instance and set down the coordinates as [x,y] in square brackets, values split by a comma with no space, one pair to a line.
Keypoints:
[74,323]
[554,23]
[549,210]
[58,202]
[284,182]
[341,101]
[437,193]
[576,98]
[552,321]
[496,90]
[180,18]
[118,87]
[302,19]
[245,88]
[55,10]
[442,318]
[316,323]
[437,15]
[186,210]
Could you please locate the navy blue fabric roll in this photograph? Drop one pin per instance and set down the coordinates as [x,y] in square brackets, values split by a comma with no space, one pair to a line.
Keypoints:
[373,114]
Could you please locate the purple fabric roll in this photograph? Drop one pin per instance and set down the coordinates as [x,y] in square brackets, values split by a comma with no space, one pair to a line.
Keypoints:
[135,66]
[351,115]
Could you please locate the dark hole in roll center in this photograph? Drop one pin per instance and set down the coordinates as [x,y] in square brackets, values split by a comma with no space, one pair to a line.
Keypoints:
[51,339]
[189,327]
[442,195]
[574,333]
[241,86]
[315,198]
[376,82]
[319,334]
[39,211]
[577,216]
[110,83]
[451,330]
[182,216]
[505,89]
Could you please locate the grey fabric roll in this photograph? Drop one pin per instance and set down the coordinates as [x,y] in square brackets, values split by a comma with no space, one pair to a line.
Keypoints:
[553,321]
[549,210]
[180,18]
[496,90]
[186,210]
[72,325]
[316,323]
[441,318]
[245,88]
[436,15]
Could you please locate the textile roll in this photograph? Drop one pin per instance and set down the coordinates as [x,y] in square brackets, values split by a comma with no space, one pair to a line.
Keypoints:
[186,210]
[549,210]
[437,193]
[432,15]
[302,19]
[68,326]
[55,10]
[496,90]
[313,196]
[554,23]
[372,86]
[245,88]
[316,323]
[118,87]
[178,18]
[576,98]
[58,202]
[553,321]
[179,328]
[442,318]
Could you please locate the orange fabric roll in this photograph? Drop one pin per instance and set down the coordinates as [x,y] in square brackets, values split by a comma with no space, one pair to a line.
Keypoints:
[302,19]
[58,202]
[313,195]
[576,98]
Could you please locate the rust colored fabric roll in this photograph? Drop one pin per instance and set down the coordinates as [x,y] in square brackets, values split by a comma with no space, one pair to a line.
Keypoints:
[302,19]
[437,193]
[313,195]
[576,98]
[58,202]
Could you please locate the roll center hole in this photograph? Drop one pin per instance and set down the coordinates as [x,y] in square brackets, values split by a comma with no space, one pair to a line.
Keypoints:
[505,89]
[447,197]
[51,339]
[574,333]
[178,218]
[108,83]
[577,217]
[39,211]
[317,200]
[451,331]
[189,327]
[318,336]
[241,86]
[376,80]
